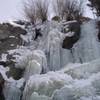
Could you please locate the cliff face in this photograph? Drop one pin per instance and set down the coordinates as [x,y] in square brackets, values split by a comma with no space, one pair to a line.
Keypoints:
[39,62]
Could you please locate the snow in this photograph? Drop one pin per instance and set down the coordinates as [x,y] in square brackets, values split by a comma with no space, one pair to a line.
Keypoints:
[3,57]
[15,25]
[70,34]
[12,36]
[3,72]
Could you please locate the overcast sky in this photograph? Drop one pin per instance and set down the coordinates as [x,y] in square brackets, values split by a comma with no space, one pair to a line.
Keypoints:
[10,9]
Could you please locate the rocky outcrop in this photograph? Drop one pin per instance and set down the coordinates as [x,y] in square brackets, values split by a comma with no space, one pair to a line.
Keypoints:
[10,37]
[69,41]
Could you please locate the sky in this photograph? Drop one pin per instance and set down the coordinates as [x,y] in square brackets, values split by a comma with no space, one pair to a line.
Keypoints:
[12,10]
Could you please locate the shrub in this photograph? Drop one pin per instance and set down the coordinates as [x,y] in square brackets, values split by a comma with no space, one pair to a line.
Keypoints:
[30,10]
[56,18]
[67,9]
[36,10]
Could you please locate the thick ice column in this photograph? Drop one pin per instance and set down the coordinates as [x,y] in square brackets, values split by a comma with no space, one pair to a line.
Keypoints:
[13,93]
[37,63]
[40,57]
[33,68]
[55,62]
[66,57]
[87,48]
[12,89]
[54,49]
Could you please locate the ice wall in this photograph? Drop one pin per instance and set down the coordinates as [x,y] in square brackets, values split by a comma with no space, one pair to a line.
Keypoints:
[48,73]
[88,47]
[61,85]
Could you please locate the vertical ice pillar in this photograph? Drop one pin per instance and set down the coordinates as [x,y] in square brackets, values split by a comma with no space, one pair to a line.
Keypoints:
[12,92]
[55,55]
[87,48]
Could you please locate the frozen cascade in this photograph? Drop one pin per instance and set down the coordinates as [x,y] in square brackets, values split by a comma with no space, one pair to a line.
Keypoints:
[45,84]
[48,73]
[60,86]
[87,48]
[57,56]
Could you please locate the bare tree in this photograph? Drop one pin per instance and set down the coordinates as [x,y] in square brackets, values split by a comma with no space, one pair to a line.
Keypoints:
[30,10]
[42,10]
[67,9]
[35,9]
[58,7]
[73,10]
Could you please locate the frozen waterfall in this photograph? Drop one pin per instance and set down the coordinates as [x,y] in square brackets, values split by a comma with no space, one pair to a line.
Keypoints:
[88,46]
[55,73]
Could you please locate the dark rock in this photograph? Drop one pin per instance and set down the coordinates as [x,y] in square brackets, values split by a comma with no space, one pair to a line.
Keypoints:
[20,22]
[98,30]
[10,37]
[56,18]
[38,33]
[9,44]
[4,34]
[74,27]
[23,22]
[18,30]
[7,63]
[1,87]
[68,42]
[14,72]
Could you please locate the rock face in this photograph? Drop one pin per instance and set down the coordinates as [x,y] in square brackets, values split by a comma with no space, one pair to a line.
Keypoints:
[10,37]
[69,41]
